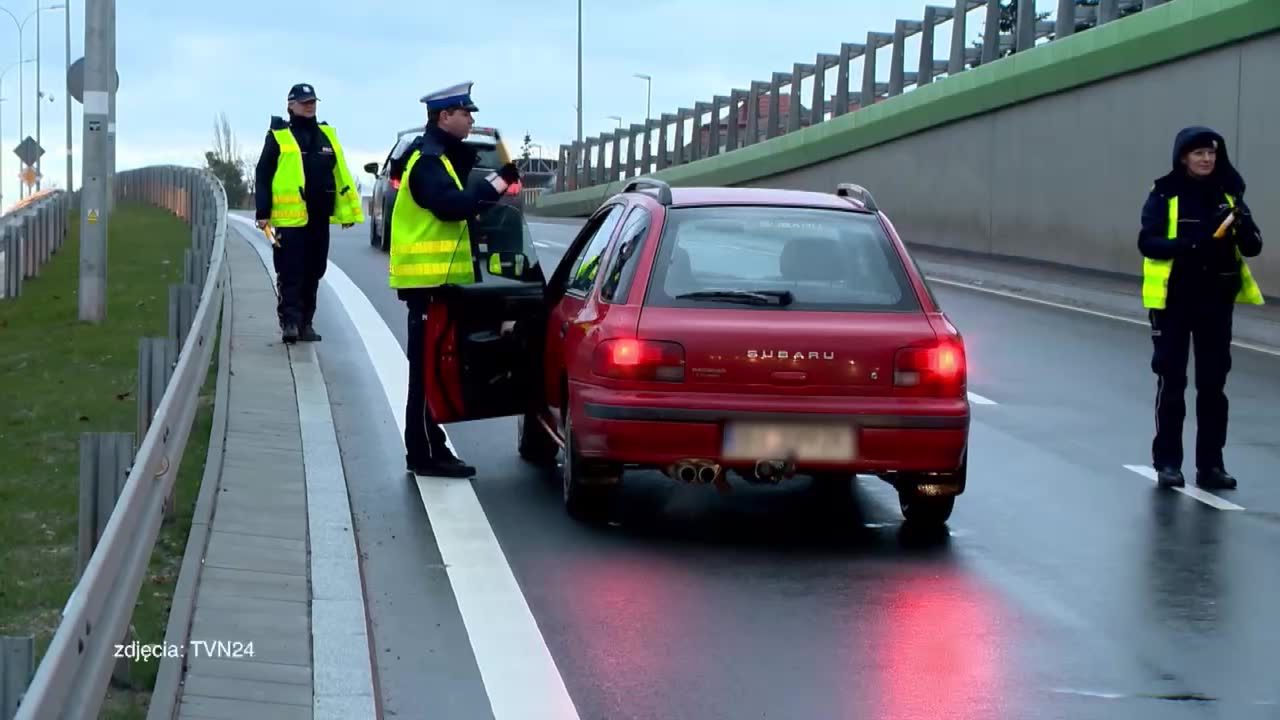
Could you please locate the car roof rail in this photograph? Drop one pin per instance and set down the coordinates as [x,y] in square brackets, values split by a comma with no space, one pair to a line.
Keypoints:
[858,193]
[664,190]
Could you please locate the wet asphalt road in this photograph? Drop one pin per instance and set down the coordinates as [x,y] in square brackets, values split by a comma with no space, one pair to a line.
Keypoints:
[1067,587]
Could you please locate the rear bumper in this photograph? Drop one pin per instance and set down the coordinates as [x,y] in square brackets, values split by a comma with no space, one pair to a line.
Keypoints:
[893,435]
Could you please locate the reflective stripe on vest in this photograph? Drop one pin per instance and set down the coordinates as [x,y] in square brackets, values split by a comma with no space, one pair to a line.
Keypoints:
[425,250]
[1156,273]
[347,208]
[287,206]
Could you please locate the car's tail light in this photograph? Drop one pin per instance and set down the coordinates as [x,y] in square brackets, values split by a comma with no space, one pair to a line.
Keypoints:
[513,189]
[632,359]
[936,369]
[395,183]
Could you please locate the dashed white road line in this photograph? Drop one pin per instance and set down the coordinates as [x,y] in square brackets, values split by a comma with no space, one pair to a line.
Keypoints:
[977,399]
[1062,306]
[1192,492]
[520,675]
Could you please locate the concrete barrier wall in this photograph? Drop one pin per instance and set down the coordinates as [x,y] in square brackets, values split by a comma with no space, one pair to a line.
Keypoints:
[1047,154]
[1063,178]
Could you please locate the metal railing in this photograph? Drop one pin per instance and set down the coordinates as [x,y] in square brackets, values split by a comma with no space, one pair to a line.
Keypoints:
[72,678]
[762,111]
[30,235]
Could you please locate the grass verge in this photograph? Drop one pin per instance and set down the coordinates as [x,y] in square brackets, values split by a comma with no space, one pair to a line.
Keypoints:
[60,377]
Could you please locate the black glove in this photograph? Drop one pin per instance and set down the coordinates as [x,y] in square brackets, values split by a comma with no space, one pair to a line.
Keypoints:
[1219,216]
[510,173]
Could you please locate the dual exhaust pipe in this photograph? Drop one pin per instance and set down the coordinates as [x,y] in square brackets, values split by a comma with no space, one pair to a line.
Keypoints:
[696,472]
[705,472]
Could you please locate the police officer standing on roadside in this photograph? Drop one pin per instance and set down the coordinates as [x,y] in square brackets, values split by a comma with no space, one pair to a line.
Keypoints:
[431,248]
[1196,232]
[303,185]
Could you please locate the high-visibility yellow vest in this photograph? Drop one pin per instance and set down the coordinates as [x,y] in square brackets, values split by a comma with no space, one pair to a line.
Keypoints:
[1155,273]
[288,185]
[425,250]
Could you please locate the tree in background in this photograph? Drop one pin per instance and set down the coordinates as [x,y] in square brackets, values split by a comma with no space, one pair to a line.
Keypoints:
[1009,21]
[526,149]
[227,164]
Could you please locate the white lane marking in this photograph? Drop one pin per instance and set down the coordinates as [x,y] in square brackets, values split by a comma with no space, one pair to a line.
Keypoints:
[338,620]
[1192,492]
[1097,313]
[519,674]
[977,399]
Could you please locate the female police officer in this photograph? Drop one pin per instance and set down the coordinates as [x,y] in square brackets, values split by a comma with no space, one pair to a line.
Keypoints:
[1196,232]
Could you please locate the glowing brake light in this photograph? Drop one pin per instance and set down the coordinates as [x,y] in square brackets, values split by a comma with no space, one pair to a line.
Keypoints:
[395,183]
[632,359]
[513,189]
[938,369]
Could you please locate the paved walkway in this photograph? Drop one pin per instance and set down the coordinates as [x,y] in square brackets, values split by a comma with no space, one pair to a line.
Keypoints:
[280,570]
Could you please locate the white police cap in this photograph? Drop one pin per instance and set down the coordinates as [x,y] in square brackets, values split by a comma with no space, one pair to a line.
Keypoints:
[457,96]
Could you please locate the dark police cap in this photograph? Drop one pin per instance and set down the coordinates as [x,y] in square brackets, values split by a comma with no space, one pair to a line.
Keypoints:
[302,92]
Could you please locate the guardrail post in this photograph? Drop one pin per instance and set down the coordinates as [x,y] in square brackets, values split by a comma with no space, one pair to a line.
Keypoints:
[105,462]
[677,151]
[14,263]
[183,300]
[156,358]
[17,667]
[105,459]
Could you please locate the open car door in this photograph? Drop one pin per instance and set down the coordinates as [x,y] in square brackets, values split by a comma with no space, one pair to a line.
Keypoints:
[484,341]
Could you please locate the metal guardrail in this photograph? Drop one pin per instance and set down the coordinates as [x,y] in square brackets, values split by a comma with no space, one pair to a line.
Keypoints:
[71,680]
[763,110]
[30,235]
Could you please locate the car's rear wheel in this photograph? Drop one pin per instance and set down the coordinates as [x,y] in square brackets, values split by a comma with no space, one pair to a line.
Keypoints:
[535,443]
[586,487]
[921,510]
[373,234]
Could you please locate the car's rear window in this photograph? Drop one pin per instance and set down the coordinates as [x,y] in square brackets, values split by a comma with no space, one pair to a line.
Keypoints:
[488,157]
[828,260]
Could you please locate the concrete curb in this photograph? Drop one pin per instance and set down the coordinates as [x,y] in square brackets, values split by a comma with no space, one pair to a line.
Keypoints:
[339,620]
[169,676]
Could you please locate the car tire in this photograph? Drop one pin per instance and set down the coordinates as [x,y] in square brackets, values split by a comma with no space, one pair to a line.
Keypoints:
[373,234]
[584,498]
[534,442]
[925,511]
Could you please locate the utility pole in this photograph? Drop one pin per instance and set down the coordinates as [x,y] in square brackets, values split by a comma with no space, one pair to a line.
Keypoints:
[70,173]
[38,96]
[111,104]
[579,72]
[95,185]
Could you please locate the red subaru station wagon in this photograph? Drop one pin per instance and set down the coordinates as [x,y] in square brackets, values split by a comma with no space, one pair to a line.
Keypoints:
[705,332]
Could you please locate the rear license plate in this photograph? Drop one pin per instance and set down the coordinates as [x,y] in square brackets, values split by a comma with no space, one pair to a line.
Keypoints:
[803,442]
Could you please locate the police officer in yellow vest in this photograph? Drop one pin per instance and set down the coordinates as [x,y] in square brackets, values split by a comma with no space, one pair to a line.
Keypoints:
[431,248]
[303,186]
[1196,233]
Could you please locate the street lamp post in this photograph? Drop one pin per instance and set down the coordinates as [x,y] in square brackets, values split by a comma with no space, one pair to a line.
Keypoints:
[615,117]
[648,97]
[39,92]
[22,88]
[2,74]
[70,176]
[579,72]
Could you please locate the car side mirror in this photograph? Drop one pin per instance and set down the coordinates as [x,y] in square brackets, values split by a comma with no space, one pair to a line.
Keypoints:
[371,168]
[509,265]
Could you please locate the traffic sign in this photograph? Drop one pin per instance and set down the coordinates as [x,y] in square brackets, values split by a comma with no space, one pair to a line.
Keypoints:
[75,81]
[29,151]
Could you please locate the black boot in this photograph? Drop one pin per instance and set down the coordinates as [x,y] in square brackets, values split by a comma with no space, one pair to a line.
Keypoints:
[309,334]
[443,463]
[290,333]
[1215,479]
[1170,477]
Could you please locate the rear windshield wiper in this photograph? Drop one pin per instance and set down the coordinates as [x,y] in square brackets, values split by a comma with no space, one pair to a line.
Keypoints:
[752,297]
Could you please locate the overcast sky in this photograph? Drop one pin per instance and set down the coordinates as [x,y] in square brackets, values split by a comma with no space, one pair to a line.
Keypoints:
[182,62]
